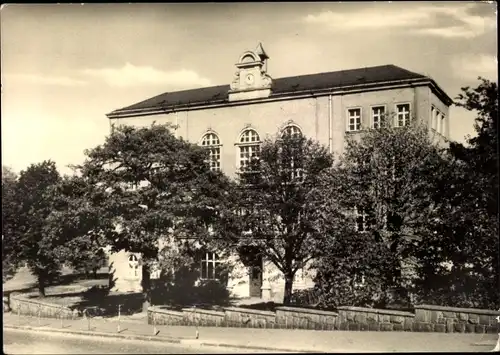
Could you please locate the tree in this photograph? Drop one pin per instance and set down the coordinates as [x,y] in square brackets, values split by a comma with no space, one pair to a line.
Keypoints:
[468,213]
[32,242]
[384,183]
[10,260]
[77,219]
[156,187]
[276,211]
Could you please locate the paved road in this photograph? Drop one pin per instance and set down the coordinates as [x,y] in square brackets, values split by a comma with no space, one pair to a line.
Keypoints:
[29,342]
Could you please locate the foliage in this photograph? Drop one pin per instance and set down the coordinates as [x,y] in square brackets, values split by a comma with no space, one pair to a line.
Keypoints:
[384,183]
[77,218]
[10,260]
[468,195]
[155,186]
[31,240]
[276,209]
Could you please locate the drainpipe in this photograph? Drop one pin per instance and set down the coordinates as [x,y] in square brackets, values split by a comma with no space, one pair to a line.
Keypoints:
[330,124]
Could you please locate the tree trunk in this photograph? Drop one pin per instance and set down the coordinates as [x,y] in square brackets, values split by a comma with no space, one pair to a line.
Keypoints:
[288,289]
[41,285]
[94,273]
[146,288]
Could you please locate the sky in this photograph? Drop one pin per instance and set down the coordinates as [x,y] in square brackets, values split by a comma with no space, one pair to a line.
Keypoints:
[64,67]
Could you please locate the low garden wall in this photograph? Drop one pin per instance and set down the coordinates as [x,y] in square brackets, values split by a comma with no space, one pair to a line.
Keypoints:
[24,305]
[455,320]
[425,318]
[359,318]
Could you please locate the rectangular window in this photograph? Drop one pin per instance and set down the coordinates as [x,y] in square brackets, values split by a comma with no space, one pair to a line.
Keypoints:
[210,268]
[378,114]
[354,119]
[433,117]
[402,115]
[364,219]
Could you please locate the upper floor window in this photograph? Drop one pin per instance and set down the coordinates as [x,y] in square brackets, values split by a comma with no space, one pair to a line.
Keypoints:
[211,142]
[364,219]
[402,115]
[210,267]
[249,147]
[441,123]
[292,131]
[354,119]
[378,114]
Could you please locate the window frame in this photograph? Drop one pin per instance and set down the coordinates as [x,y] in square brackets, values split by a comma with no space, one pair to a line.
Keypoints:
[372,116]
[212,146]
[348,119]
[291,125]
[396,123]
[214,261]
[442,126]
[239,145]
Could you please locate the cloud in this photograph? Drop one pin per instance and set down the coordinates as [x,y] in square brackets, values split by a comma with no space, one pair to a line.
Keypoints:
[45,80]
[473,65]
[448,21]
[131,75]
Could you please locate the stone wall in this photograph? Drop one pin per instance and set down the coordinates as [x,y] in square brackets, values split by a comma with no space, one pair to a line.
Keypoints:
[243,317]
[303,318]
[455,320]
[424,319]
[359,318]
[23,305]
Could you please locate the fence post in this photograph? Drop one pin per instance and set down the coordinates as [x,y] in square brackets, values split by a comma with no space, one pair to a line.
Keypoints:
[88,319]
[155,332]
[62,308]
[39,313]
[19,312]
[195,322]
[119,314]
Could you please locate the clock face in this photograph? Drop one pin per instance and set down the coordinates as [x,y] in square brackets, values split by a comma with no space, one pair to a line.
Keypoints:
[249,79]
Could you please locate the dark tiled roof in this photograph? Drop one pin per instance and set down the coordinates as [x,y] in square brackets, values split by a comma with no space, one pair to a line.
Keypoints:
[281,86]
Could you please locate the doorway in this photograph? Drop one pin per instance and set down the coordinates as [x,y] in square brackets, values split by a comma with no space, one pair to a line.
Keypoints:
[255,273]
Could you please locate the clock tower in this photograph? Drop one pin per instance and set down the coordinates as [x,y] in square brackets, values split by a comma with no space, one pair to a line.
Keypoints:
[251,80]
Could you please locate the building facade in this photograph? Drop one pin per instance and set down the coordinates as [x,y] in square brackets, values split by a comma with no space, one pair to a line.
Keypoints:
[232,120]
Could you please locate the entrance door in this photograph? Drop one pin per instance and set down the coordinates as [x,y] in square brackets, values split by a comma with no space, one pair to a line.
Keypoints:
[255,271]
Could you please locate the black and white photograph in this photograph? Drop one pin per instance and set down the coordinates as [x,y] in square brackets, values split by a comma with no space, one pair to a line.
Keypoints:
[250,177]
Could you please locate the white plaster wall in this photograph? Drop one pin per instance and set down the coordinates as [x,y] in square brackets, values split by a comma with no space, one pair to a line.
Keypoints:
[122,274]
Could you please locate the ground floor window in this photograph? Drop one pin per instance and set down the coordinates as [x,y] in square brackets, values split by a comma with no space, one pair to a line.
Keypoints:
[133,264]
[210,267]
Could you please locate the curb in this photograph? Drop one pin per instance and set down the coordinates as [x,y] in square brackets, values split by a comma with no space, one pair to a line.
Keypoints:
[171,340]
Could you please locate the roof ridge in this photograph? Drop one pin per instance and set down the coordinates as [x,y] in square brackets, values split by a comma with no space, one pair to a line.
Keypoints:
[288,84]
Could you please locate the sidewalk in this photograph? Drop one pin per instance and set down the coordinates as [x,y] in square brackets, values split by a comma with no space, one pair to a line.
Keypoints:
[264,339]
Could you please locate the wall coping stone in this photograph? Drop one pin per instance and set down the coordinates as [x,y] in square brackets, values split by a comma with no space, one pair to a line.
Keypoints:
[165,311]
[251,311]
[19,298]
[377,311]
[455,309]
[203,311]
[307,310]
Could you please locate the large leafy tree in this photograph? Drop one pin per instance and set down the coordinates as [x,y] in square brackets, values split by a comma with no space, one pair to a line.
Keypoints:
[277,205]
[383,183]
[79,220]
[10,211]
[467,238]
[31,240]
[156,187]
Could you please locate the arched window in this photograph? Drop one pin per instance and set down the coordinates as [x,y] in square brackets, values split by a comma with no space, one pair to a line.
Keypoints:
[211,142]
[292,131]
[249,146]
[296,171]
[133,263]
